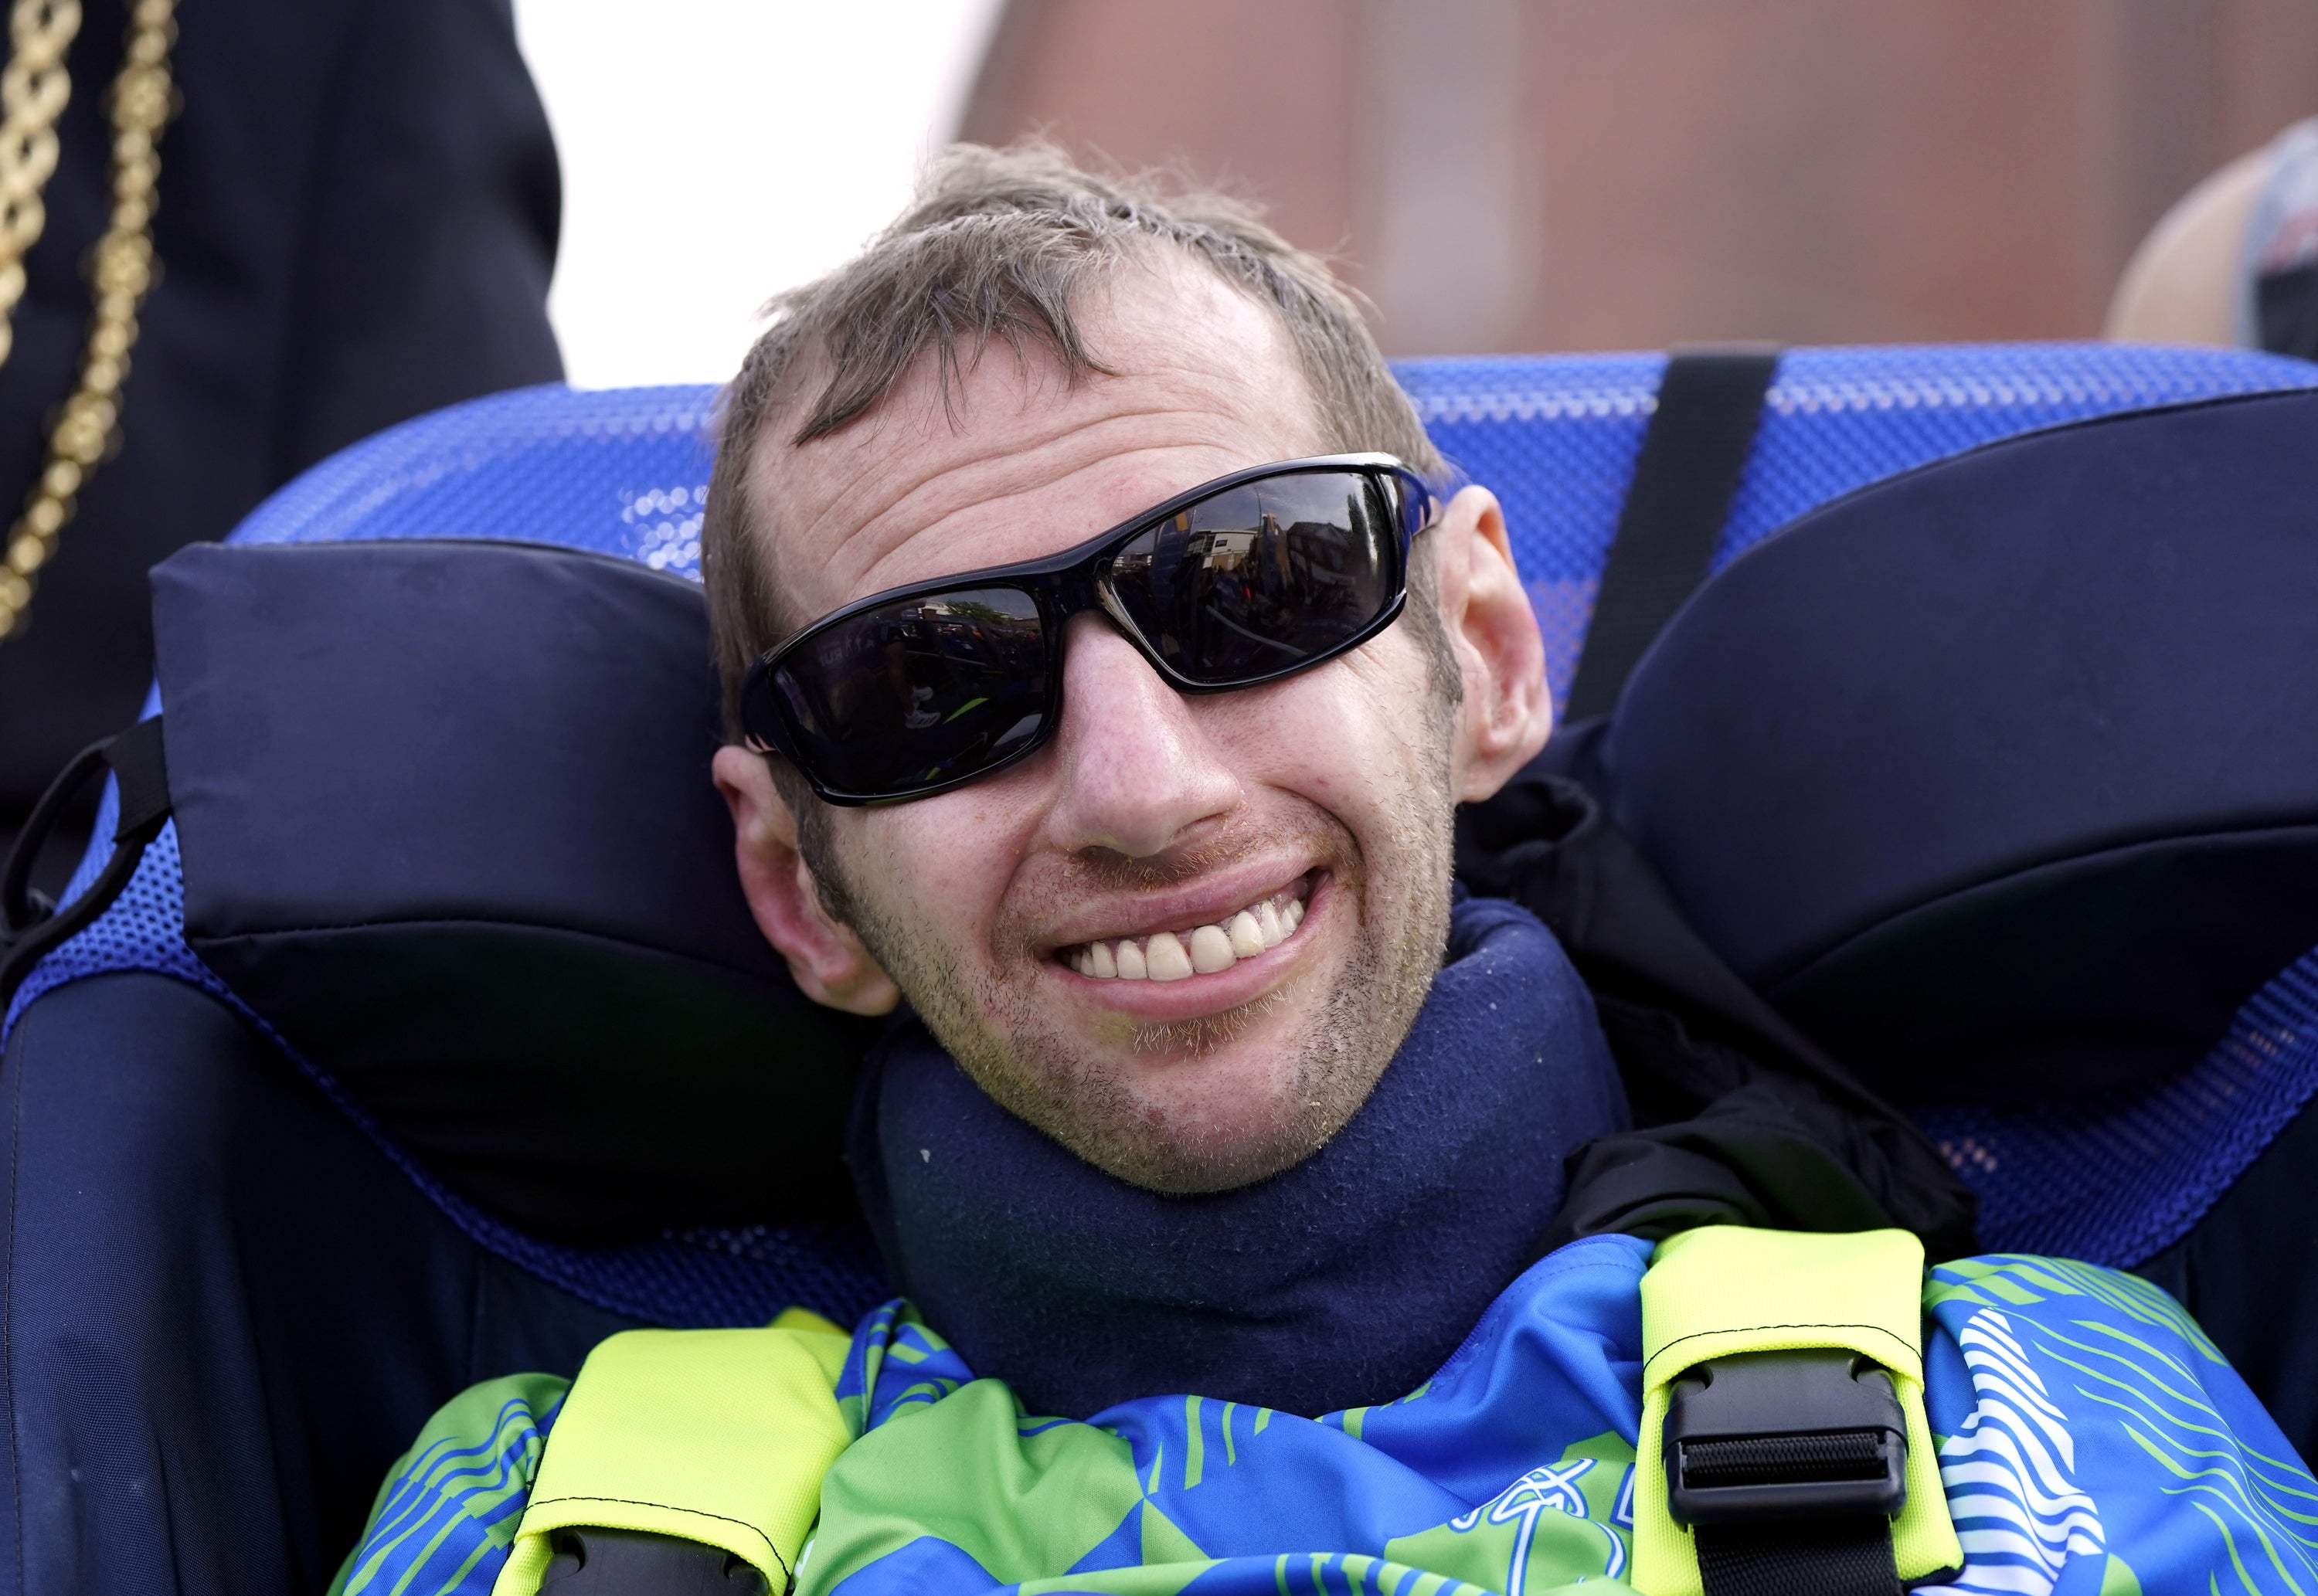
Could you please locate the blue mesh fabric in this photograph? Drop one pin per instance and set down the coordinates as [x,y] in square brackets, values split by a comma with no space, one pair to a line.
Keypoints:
[623,472]
[619,470]
[2118,1179]
[1556,437]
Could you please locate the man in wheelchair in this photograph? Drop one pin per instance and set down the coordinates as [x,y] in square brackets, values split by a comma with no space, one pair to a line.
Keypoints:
[1107,652]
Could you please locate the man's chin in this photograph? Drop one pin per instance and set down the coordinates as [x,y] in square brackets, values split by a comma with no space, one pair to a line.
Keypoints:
[1202,1105]
[1204,1038]
[1186,1161]
[1200,1084]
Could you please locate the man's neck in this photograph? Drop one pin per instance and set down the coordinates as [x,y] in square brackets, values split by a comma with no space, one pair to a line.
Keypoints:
[1345,1280]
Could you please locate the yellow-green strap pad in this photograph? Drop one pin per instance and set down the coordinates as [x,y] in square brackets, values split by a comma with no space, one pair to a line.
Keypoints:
[1726,1288]
[719,1436]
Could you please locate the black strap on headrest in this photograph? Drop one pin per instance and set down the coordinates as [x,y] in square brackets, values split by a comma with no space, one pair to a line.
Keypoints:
[36,928]
[2285,311]
[1710,401]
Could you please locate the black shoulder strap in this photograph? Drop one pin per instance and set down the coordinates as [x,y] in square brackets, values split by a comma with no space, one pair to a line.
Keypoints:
[1708,403]
[1840,1556]
[32,929]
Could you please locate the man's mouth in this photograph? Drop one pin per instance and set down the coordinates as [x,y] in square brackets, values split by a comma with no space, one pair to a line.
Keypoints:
[1194,950]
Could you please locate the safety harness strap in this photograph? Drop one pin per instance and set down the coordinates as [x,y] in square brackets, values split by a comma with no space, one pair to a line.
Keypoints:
[1709,402]
[678,1448]
[1784,1449]
[1815,1558]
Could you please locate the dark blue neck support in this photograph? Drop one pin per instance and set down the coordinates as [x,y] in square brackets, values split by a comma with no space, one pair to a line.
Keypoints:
[1347,1280]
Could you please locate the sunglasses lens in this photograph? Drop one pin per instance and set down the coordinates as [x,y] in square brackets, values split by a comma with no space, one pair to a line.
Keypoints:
[917,692]
[1263,578]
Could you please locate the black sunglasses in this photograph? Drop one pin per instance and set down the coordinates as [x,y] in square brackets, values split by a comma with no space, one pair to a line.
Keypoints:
[1240,581]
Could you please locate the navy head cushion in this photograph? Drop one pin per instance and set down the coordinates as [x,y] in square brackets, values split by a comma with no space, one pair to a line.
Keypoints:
[447,827]
[2001,778]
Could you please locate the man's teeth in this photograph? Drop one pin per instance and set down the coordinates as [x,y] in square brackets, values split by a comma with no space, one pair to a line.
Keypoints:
[1166,956]
[1246,936]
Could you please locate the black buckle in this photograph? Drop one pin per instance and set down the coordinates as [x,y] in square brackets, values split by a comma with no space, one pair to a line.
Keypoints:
[1810,1432]
[586,1561]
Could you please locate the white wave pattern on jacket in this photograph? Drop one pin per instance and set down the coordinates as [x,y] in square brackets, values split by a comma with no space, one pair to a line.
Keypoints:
[2010,1473]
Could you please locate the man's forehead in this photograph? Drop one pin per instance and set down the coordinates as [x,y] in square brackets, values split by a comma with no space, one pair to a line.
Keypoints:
[1015,461]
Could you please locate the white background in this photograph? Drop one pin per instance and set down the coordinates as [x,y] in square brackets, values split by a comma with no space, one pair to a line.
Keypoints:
[717,151]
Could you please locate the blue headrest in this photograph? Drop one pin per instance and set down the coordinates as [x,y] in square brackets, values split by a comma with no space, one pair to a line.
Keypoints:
[446,825]
[1998,778]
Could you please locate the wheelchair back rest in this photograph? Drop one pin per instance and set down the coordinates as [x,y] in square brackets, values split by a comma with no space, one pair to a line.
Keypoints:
[622,474]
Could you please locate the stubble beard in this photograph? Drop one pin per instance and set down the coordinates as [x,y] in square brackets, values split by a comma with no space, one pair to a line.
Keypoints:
[991,1024]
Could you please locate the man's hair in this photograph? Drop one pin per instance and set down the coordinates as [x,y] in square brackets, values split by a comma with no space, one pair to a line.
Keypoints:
[1002,244]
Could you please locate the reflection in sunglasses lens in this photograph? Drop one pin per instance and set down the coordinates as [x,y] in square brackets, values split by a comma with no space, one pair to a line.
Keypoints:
[920,691]
[1261,577]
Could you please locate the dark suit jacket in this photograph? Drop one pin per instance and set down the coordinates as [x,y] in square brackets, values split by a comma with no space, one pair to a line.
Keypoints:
[358,210]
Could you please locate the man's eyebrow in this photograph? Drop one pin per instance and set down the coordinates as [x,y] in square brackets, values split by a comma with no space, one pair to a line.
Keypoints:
[1013,491]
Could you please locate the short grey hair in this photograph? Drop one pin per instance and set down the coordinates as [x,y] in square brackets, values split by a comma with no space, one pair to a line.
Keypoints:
[1002,244]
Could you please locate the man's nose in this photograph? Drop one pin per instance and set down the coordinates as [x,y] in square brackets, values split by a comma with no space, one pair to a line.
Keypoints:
[1140,775]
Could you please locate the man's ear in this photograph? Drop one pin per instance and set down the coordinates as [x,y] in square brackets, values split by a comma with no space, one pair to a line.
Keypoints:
[831,965]
[1508,711]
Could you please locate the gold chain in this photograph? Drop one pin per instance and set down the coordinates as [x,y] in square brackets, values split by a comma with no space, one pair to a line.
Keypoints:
[34,89]
[33,94]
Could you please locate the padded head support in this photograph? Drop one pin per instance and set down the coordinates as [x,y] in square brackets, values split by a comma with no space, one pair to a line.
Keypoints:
[2001,778]
[446,823]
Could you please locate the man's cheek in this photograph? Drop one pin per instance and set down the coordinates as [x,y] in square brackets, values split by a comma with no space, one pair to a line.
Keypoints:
[1307,734]
[941,879]
[1346,758]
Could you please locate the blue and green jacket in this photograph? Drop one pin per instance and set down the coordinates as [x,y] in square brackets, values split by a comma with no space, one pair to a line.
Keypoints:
[2087,1439]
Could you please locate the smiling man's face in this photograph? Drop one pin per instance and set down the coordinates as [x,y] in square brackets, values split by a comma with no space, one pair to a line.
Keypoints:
[1276,861]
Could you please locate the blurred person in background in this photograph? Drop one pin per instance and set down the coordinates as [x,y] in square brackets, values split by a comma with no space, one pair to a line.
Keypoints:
[2235,262]
[354,222]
